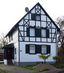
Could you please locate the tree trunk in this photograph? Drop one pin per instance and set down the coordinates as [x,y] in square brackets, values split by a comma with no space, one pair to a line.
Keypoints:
[44,61]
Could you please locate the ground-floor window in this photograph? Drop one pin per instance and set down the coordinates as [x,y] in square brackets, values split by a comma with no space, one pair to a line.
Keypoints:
[32,48]
[44,49]
[38,49]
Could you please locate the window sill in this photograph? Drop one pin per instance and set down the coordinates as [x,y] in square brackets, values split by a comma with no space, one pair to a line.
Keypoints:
[32,53]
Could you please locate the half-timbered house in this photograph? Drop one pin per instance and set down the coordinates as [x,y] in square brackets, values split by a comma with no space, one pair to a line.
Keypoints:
[33,35]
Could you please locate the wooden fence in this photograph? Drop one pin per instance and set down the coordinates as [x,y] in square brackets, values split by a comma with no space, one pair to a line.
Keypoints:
[1,57]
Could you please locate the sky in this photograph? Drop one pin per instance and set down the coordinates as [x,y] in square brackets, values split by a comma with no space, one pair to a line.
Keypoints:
[11,11]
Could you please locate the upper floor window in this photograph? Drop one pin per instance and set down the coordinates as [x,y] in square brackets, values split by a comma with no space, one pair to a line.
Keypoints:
[10,37]
[35,16]
[43,33]
[37,32]
[32,32]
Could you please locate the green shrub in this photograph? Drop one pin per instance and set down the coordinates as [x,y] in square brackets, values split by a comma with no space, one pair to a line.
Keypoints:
[57,58]
[44,57]
[61,65]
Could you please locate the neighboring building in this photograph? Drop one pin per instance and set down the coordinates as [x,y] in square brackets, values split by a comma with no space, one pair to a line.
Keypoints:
[33,35]
[1,55]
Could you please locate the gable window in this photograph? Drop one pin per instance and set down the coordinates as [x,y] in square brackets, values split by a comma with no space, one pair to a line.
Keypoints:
[32,32]
[37,17]
[43,49]
[43,33]
[32,48]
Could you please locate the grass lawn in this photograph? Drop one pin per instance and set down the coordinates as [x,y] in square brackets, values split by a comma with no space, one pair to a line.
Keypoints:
[31,68]
[58,65]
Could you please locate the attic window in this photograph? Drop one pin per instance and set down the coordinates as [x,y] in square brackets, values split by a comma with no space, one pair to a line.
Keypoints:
[35,16]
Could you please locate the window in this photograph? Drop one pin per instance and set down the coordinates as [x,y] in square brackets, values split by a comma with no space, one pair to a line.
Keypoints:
[32,48]
[35,49]
[11,36]
[43,50]
[37,32]
[37,17]
[43,33]
[15,50]
[32,32]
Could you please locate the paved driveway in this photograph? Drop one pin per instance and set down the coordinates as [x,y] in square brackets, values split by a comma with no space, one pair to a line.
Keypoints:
[15,69]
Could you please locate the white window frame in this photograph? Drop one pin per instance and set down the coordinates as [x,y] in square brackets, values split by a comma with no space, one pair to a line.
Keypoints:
[44,48]
[31,52]
[42,34]
[32,33]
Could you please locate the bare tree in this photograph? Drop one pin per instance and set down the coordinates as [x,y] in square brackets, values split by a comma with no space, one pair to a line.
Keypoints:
[60,23]
[3,40]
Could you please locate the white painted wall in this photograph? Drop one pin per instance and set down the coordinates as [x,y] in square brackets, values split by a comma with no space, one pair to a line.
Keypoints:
[15,41]
[13,61]
[16,55]
[15,37]
[34,57]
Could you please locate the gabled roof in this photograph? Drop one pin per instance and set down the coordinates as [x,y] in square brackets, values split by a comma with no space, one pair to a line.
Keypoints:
[13,28]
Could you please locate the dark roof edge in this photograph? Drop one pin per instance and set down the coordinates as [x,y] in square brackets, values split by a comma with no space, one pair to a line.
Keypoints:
[58,29]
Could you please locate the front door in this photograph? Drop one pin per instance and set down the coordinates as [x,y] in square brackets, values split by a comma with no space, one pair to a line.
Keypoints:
[9,53]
